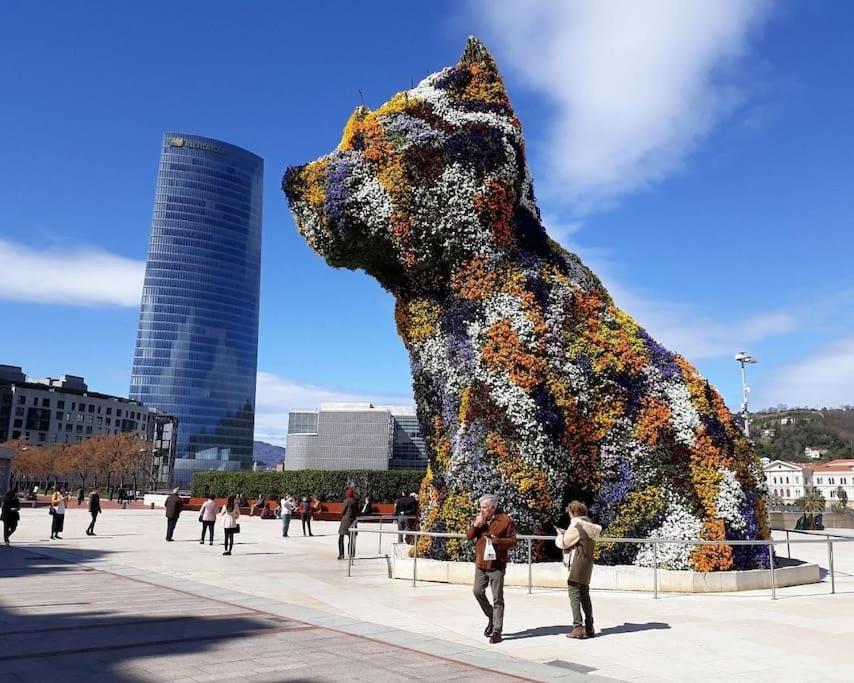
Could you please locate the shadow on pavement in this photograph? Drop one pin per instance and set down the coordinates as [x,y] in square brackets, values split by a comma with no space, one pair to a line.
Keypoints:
[561,629]
[114,627]
[629,627]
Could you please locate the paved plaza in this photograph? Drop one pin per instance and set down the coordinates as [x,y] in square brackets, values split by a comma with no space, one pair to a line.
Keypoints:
[127,606]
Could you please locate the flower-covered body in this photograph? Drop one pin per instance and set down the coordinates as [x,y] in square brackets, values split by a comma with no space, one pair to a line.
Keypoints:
[529,382]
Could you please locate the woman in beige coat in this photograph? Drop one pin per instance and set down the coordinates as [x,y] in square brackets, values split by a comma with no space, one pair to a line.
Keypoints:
[577,544]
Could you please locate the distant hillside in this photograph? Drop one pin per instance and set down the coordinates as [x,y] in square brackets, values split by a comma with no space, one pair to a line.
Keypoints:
[830,429]
[267,453]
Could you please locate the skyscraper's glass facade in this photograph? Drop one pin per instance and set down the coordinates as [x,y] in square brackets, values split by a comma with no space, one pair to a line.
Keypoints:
[197,344]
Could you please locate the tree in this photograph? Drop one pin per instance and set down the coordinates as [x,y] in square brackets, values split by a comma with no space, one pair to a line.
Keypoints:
[841,502]
[811,502]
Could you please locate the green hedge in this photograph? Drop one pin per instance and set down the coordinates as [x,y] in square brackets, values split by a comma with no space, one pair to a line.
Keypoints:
[383,486]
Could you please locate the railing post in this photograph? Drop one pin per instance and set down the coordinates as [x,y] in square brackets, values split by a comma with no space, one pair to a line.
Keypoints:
[415,562]
[830,565]
[773,570]
[655,569]
[380,547]
[529,566]
[788,545]
[350,553]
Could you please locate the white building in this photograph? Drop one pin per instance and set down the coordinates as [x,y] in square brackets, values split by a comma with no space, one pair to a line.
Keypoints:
[814,453]
[829,476]
[788,480]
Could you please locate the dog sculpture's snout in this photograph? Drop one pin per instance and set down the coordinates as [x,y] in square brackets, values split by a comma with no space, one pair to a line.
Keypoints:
[290,182]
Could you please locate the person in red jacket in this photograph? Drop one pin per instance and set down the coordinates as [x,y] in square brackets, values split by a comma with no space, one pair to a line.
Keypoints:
[495,536]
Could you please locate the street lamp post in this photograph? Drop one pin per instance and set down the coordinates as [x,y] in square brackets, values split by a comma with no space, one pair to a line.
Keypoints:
[745,359]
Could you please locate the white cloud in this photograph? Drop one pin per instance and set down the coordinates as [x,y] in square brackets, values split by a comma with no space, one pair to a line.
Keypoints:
[633,86]
[276,396]
[824,379]
[80,275]
[679,327]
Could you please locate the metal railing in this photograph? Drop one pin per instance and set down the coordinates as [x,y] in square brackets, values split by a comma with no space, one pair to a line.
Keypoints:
[380,519]
[529,539]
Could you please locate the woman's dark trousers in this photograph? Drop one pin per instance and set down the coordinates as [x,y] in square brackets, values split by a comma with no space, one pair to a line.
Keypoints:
[306,521]
[91,528]
[229,539]
[579,598]
[57,524]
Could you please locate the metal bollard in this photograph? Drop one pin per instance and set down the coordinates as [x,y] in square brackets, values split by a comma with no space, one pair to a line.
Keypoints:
[529,566]
[830,565]
[152,505]
[655,570]
[350,558]
[380,545]
[788,545]
[773,571]
[415,563]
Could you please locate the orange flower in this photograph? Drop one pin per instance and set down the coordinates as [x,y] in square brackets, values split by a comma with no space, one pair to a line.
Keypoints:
[503,349]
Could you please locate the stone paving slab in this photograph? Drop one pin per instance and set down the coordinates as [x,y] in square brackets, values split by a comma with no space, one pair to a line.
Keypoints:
[718,637]
[134,626]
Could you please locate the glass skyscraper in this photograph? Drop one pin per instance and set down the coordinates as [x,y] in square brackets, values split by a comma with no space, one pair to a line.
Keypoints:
[197,344]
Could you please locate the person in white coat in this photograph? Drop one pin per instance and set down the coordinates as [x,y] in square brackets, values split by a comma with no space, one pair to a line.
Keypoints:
[577,543]
[229,516]
[207,516]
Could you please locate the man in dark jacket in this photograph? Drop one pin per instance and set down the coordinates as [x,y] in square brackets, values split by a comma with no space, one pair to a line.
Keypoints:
[404,507]
[348,516]
[173,511]
[495,536]
[94,511]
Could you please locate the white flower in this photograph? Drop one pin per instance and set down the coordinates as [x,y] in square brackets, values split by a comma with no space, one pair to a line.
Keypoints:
[730,500]
[678,523]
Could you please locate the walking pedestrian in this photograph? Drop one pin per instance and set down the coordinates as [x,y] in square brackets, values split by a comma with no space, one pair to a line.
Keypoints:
[80,496]
[495,536]
[404,508]
[348,516]
[306,510]
[286,507]
[207,516]
[174,505]
[58,503]
[577,543]
[10,513]
[230,514]
[94,511]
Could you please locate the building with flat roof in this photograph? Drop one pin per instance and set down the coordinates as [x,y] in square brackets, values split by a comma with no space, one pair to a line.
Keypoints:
[355,436]
[64,410]
[197,344]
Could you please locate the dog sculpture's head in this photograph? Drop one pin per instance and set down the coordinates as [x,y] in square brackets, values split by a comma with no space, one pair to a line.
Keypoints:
[433,178]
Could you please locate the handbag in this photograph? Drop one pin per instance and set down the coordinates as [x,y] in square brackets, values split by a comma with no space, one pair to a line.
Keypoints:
[52,510]
[201,517]
[237,529]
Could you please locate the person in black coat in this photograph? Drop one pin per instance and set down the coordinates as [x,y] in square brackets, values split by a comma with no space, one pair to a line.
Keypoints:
[10,514]
[348,516]
[404,507]
[174,505]
[94,511]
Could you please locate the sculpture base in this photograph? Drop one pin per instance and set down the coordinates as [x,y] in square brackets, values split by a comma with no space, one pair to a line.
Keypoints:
[616,577]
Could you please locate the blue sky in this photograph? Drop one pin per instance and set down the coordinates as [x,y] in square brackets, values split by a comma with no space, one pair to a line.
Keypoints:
[698,158]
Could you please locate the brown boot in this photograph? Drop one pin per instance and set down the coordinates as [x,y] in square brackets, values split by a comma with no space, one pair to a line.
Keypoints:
[577,632]
[588,630]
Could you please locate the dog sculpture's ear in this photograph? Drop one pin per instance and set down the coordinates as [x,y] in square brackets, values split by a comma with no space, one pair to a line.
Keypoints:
[475,79]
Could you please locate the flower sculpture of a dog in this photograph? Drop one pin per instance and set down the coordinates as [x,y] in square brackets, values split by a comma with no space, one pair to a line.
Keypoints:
[529,382]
